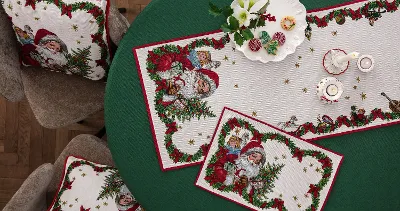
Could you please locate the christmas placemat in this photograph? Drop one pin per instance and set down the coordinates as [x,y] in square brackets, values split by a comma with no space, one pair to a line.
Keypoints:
[89,186]
[261,167]
[187,81]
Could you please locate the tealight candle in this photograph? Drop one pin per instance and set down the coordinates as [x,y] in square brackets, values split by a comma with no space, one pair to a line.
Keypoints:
[365,63]
[332,90]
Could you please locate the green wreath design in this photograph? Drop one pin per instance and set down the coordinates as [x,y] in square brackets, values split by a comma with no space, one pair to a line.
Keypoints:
[196,108]
[314,190]
[97,13]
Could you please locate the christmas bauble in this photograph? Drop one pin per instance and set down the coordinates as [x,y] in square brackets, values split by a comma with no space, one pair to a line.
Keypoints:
[280,37]
[255,44]
[340,19]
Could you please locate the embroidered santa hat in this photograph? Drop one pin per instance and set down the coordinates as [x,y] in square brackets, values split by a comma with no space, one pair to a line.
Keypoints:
[254,146]
[43,36]
[212,78]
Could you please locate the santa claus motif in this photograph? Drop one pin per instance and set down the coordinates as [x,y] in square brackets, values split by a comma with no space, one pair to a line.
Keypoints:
[48,50]
[191,84]
[125,200]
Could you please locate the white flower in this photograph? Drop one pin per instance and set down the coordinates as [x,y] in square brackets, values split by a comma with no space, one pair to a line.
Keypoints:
[245,10]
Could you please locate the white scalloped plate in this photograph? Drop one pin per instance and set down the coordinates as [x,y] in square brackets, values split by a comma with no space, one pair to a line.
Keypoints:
[279,9]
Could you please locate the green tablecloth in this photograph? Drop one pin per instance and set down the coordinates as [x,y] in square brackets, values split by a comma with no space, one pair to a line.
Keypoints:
[368,179]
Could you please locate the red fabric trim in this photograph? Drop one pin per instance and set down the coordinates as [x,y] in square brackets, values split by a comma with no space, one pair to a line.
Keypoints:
[336,6]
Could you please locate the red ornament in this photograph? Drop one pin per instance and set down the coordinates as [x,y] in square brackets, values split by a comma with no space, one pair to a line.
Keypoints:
[280,37]
[255,44]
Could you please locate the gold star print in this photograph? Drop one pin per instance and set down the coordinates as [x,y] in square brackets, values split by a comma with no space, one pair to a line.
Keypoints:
[295,198]
[36,18]
[208,137]
[45,7]
[76,199]
[73,178]
[237,131]
[83,174]
[191,142]
[280,195]
[299,205]
[71,205]
[276,158]
[305,170]
[91,21]
[200,134]
[311,165]
[305,90]
[97,207]
[10,7]
[179,127]
[19,2]
[347,98]
[300,57]
[284,156]
[317,169]
[354,87]
[334,33]
[233,49]
[306,195]
[297,65]
[75,27]
[64,203]
[236,86]
[358,79]
[312,50]
[105,204]
[254,113]
[233,62]
[78,42]
[16,15]
[226,58]
[363,96]
[80,169]
[82,37]
[287,81]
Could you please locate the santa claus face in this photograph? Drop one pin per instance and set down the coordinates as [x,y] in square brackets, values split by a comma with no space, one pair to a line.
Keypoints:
[125,200]
[54,46]
[255,158]
[203,86]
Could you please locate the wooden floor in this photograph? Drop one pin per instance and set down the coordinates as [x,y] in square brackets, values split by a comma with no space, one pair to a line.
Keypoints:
[25,145]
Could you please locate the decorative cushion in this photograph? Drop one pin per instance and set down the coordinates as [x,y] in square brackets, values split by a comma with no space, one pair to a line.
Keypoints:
[69,36]
[90,186]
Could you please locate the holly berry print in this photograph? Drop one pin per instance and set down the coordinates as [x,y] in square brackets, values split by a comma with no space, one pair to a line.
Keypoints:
[265,167]
[51,35]
[103,188]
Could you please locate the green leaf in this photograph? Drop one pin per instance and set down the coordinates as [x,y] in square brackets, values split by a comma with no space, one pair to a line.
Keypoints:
[234,23]
[253,23]
[261,22]
[225,28]
[238,39]
[214,10]
[247,34]
[227,11]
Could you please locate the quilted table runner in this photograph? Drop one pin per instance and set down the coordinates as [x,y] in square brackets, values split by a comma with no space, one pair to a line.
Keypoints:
[188,81]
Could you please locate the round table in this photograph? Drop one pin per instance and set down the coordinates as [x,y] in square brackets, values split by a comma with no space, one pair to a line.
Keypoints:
[367,179]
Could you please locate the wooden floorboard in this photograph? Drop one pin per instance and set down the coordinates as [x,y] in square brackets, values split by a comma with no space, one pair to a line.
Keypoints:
[25,145]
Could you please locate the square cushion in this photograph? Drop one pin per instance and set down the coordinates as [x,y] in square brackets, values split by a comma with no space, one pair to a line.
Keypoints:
[89,186]
[69,36]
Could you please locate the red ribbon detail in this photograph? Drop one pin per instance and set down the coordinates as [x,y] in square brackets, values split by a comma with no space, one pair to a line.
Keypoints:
[326,162]
[66,10]
[278,203]
[314,190]
[299,154]
[233,123]
[171,128]
[30,3]
[257,136]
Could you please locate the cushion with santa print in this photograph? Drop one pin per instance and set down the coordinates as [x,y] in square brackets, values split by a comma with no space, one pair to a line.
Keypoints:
[68,36]
[90,186]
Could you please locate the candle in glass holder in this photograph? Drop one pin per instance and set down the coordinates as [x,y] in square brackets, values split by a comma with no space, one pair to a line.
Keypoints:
[365,63]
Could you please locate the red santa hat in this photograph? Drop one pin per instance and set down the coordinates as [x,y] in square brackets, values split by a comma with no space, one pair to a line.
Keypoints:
[212,78]
[43,36]
[254,146]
